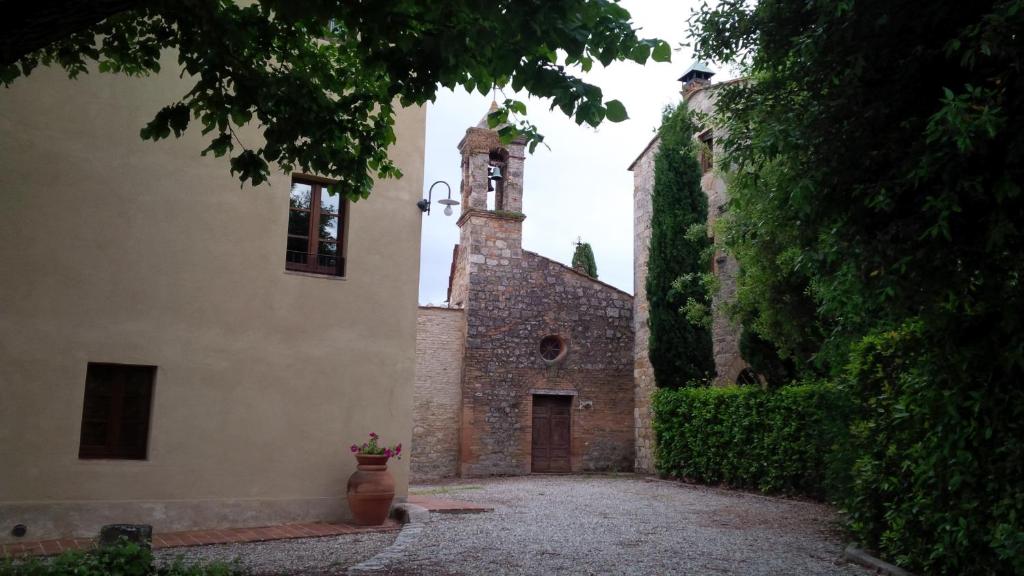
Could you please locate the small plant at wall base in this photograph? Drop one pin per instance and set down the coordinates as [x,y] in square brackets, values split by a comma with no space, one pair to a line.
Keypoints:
[125,558]
[373,448]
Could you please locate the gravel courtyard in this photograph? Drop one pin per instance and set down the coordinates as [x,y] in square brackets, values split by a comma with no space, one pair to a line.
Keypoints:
[306,556]
[607,525]
[622,525]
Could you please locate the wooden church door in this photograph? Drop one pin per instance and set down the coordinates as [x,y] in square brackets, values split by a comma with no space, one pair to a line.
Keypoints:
[551,433]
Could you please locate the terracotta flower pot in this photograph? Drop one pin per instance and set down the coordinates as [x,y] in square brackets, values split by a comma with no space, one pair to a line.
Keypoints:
[370,490]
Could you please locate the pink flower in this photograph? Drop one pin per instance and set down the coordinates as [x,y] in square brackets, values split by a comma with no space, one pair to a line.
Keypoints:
[398,449]
[355,448]
[387,452]
[373,435]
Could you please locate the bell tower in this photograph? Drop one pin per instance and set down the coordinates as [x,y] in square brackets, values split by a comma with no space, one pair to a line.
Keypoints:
[492,174]
[491,223]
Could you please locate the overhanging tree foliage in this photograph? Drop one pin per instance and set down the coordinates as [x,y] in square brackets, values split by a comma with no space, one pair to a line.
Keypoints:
[583,259]
[320,77]
[877,213]
[680,350]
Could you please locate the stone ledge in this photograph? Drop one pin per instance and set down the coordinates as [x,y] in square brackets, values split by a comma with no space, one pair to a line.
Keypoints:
[201,537]
[859,556]
[493,214]
[413,518]
[447,505]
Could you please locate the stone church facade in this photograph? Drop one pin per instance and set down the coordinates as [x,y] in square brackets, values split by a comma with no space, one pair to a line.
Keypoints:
[534,366]
[530,368]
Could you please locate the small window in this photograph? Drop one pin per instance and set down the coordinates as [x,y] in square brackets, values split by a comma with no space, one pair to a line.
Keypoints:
[115,415]
[707,151]
[315,234]
[552,348]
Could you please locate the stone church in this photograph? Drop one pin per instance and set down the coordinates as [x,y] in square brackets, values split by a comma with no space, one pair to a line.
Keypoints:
[530,368]
[535,366]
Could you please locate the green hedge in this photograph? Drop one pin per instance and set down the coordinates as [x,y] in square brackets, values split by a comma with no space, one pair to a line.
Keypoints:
[782,440]
[938,480]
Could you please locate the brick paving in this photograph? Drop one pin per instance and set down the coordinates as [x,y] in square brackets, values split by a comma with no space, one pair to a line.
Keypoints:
[201,537]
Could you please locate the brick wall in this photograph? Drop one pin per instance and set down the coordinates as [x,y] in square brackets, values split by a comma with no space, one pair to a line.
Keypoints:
[437,396]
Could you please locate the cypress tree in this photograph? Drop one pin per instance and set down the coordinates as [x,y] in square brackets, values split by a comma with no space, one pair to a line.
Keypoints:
[583,259]
[680,350]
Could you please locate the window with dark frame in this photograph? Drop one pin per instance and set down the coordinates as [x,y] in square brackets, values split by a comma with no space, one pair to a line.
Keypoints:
[707,152]
[552,348]
[116,411]
[315,235]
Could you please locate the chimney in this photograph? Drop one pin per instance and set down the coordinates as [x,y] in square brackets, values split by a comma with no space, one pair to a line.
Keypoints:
[697,76]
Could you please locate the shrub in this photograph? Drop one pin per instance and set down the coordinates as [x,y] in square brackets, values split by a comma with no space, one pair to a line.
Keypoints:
[879,233]
[124,559]
[938,484]
[786,440]
[583,259]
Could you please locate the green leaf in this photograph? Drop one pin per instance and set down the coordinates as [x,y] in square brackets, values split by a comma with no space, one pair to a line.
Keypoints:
[615,111]
[220,145]
[240,117]
[662,52]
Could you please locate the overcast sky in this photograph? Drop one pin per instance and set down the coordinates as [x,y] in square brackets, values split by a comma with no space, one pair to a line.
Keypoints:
[581,186]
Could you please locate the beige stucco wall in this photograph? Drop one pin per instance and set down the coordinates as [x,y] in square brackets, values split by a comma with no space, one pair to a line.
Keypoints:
[119,250]
[437,400]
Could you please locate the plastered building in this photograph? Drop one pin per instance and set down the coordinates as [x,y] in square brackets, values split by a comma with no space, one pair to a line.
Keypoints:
[176,349]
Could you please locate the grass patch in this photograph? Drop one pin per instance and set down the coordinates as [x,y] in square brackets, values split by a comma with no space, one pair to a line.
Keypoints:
[436,490]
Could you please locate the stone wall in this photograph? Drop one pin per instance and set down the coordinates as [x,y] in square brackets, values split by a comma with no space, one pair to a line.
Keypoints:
[458,285]
[437,396]
[725,333]
[643,372]
[516,298]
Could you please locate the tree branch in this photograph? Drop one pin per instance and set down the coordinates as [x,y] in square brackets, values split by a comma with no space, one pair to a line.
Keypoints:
[29,25]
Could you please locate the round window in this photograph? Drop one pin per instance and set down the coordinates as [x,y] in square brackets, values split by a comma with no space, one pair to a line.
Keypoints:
[552,348]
